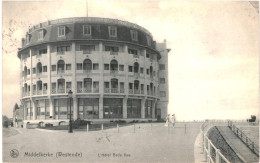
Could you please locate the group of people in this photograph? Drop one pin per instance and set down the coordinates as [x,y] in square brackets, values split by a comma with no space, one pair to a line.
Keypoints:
[170,120]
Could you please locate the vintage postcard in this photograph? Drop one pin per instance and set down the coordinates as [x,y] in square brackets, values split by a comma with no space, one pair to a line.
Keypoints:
[130,81]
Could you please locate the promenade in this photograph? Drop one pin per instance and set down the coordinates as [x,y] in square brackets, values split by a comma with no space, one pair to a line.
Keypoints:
[140,143]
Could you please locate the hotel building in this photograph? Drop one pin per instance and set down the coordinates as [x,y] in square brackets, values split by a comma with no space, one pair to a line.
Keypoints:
[114,68]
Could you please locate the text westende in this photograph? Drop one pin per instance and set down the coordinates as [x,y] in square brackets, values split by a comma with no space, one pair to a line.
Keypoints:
[48,154]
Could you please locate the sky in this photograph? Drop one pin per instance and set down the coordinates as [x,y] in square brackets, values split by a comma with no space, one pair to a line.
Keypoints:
[214,57]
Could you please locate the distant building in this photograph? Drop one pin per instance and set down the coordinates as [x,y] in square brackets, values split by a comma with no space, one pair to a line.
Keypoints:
[18,116]
[114,68]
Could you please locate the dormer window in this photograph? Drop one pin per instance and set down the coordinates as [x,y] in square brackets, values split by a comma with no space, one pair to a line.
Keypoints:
[40,35]
[149,40]
[112,31]
[86,30]
[134,35]
[27,39]
[61,31]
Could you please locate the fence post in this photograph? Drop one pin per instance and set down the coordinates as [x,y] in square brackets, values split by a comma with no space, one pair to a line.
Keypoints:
[102,127]
[209,150]
[218,160]
[87,127]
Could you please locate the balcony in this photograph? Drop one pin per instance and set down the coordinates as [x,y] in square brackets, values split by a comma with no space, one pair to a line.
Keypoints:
[136,91]
[113,72]
[61,90]
[53,91]
[96,90]
[39,92]
[61,52]
[136,56]
[113,53]
[87,71]
[114,90]
[107,90]
[60,72]
[44,91]
[131,91]
[86,51]
[87,90]
[79,90]
[39,74]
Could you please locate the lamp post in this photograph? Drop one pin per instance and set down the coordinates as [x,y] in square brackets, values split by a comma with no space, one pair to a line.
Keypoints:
[70,123]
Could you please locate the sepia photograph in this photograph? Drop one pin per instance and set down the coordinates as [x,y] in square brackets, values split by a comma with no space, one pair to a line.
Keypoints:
[130,81]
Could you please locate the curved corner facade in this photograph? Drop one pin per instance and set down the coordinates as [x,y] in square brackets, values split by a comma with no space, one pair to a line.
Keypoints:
[114,69]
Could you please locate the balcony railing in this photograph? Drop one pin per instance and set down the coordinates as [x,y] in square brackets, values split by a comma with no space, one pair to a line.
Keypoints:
[39,92]
[136,74]
[61,52]
[68,89]
[60,72]
[113,53]
[79,90]
[113,72]
[53,91]
[44,91]
[122,90]
[136,91]
[86,51]
[87,71]
[61,90]
[114,90]
[130,91]
[38,74]
[107,90]
[136,56]
[96,90]
[87,90]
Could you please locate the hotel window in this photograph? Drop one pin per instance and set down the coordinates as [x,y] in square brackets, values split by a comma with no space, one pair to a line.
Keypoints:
[112,31]
[45,86]
[111,48]
[132,51]
[162,93]
[79,66]
[61,31]
[106,66]
[42,51]
[28,72]
[134,35]
[34,70]
[68,86]
[162,66]
[130,68]
[147,55]
[86,30]
[53,67]
[68,66]
[79,86]
[162,80]
[44,68]
[40,35]
[95,66]
[141,70]
[63,48]
[149,40]
[121,67]
[87,49]
[106,84]
[147,71]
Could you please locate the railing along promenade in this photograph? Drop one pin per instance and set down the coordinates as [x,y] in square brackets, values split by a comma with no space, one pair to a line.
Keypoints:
[212,154]
[242,136]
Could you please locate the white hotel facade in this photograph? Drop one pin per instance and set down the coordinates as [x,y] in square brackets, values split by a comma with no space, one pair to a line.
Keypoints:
[114,68]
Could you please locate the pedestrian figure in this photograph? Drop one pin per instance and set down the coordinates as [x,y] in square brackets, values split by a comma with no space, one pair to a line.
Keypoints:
[173,120]
[167,120]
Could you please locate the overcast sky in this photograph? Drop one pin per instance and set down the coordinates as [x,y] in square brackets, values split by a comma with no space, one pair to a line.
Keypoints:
[214,57]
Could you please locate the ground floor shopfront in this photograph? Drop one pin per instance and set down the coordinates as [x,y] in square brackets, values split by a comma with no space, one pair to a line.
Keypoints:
[89,108]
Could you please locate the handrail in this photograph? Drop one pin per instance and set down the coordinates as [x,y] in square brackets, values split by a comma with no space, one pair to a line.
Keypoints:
[242,136]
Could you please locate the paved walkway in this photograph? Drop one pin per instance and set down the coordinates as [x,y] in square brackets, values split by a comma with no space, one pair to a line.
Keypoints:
[237,145]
